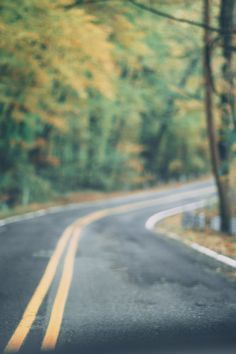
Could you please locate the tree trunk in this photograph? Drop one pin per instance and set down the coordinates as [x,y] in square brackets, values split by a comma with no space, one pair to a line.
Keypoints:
[221,180]
[227,99]
[227,21]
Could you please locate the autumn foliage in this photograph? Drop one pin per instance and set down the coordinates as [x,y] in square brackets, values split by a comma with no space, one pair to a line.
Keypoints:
[96,96]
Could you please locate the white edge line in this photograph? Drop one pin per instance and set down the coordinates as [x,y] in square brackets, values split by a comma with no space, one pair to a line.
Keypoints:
[220,257]
[156,218]
[42,212]
[51,210]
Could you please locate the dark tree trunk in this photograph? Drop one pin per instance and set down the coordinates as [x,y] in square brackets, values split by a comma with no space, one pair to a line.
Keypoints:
[227,22]
[221,178]
[228,119]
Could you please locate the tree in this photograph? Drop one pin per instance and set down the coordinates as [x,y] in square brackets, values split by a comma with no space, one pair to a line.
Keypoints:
[220,142]
[45,77]
[95,84]
[227,108]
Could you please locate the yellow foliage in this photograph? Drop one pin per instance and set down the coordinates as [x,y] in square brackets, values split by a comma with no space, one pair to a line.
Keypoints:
[175,166]
[52,160]
[18,116]
[57,123]
[57,46]
[188,106]
[130,148]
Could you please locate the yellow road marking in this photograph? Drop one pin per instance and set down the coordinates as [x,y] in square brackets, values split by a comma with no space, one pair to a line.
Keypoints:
[53,329]
[33,306]
[54,326]
[56,317]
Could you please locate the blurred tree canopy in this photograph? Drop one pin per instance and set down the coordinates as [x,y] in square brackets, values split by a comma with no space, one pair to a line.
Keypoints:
[98,95]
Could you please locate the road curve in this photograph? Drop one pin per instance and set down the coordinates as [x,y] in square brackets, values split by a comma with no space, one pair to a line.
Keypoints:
[92,279]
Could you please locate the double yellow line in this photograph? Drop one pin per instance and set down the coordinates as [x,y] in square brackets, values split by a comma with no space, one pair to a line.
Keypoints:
[68,242]
[69,238]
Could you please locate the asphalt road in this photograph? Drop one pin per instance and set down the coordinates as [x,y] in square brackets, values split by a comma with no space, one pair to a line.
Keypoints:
[112,286]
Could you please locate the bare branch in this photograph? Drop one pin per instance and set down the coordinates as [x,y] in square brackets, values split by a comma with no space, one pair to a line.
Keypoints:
[174,18]
[153,11]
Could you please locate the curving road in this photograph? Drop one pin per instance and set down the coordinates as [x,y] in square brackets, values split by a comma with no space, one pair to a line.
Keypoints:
[92,279]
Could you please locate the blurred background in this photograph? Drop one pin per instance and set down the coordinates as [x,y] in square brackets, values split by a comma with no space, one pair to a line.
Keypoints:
[116,95]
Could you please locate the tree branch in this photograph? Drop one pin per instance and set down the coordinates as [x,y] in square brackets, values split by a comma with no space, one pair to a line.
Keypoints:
[154,12]
[174,18]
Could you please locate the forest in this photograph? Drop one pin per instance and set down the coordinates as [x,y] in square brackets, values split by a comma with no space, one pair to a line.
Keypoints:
[116,95]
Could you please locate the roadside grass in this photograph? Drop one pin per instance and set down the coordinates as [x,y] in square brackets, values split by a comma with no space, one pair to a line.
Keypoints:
[218,242]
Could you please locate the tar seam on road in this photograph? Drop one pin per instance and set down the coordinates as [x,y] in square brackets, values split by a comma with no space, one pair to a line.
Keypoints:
[71,237]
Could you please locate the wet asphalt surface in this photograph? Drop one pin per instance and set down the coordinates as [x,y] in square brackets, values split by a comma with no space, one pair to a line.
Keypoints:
[132,291]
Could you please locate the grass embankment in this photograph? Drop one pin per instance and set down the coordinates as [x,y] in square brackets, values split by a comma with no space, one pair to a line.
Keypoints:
[218,242]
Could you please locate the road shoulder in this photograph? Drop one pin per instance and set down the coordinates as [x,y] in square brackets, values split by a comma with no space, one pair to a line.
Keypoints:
[221,248]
